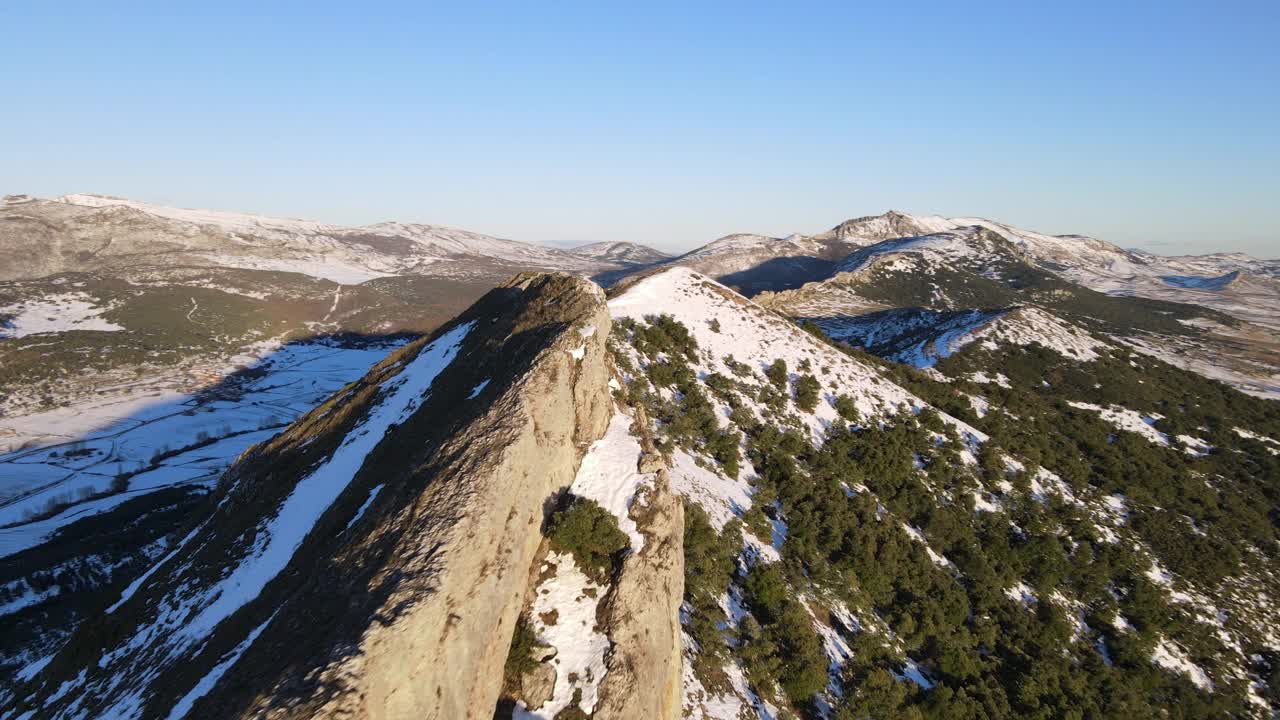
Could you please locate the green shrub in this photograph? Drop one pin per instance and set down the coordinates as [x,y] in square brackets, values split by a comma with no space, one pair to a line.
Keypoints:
[847,408]
[520,657]
[664,334]
[723,446]
[740,369]
[589,533]
[786,646]
[807,389]
[759,656]
[777,374]
[767,592]
[709,565]
[804,670]
[720,385]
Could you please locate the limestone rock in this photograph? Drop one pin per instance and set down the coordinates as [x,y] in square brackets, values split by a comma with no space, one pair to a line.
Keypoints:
[643,616]
[539,685]
[650,462]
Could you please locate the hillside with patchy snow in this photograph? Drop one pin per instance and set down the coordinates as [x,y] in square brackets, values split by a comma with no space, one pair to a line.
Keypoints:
[817,477]
[95,233]
[921,337]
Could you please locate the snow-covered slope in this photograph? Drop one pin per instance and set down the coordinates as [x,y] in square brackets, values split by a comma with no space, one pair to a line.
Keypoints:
[921,337]
[755,263]
[981,265]
[160,441]
[966,247]
[1236,284]
[728,327]
[737,341]
[778,506]
[758,262]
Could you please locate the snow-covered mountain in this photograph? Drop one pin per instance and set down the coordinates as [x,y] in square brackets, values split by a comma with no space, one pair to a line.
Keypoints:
[1233,283]
[620,253]
[1198,312]
[99,233]
[777,608]
[892,224]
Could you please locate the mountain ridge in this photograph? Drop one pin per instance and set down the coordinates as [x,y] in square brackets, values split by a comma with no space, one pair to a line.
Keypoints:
[553,330]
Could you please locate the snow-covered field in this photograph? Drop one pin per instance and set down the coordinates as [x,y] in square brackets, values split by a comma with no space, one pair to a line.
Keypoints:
[162,441]
[54,314]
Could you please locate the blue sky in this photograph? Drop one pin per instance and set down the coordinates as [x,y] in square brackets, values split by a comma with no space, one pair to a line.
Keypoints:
[1148,124]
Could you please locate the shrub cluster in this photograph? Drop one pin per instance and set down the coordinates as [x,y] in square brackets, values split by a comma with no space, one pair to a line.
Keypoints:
[589,533]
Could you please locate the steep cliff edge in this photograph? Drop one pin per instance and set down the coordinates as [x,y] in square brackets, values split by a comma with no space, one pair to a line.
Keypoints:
[643,611]
[371,560]
[600,634]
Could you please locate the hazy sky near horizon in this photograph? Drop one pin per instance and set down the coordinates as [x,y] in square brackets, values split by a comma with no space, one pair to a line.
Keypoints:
[1152,125]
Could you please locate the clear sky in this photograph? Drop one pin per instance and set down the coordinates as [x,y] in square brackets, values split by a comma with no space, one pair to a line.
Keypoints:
[1153,125]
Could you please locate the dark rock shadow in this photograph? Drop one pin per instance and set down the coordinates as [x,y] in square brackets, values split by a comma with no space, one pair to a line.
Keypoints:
[782,273]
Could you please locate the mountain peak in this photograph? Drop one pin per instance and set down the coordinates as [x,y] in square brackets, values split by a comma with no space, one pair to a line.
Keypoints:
[626,253]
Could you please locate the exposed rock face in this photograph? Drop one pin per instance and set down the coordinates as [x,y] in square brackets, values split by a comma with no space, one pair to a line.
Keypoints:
[444,658]
[643,616]
[643,610]
[538,685]
[400,599]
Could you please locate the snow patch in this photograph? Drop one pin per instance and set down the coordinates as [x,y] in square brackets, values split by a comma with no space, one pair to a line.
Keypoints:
[580,649]
[1126,419]
[373,494]
[609,476]
[54,314]
[1171,657]
[207,683]
[475,391]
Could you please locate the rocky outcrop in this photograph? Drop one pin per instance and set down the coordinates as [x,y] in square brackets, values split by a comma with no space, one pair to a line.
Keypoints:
[445,657]
[642,612]
[399,598]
